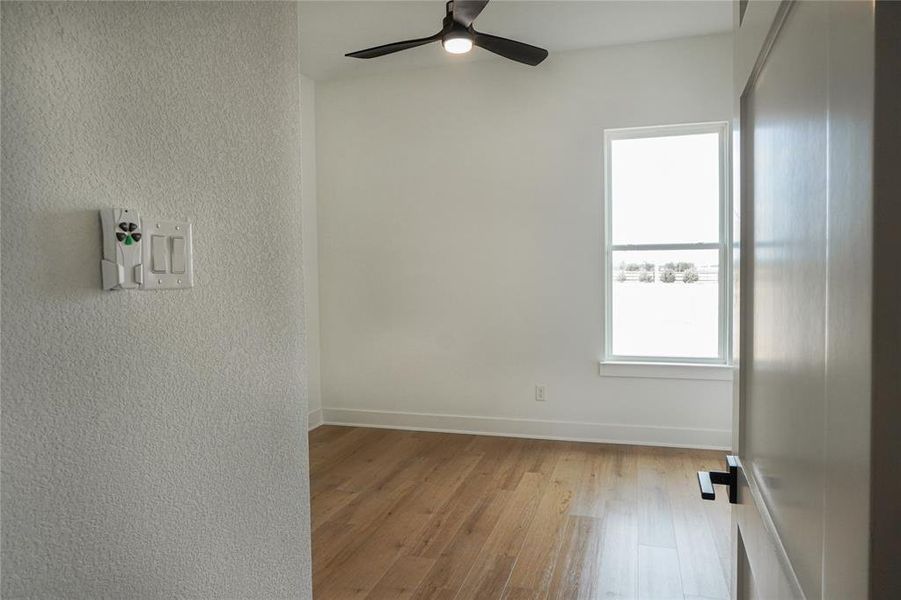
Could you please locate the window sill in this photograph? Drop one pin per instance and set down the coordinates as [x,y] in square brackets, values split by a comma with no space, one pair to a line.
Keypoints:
[643,370]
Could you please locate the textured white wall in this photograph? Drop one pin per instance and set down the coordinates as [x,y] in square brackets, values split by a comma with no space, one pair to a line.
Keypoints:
[460,220]
[310,243]
[153,443]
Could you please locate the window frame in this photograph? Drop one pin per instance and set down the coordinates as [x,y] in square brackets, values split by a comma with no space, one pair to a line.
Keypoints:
[724,245]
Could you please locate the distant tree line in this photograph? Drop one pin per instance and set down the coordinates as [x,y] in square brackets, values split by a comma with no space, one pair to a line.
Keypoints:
[648,272]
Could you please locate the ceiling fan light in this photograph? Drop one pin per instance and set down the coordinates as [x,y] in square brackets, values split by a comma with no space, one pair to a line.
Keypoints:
[457,45]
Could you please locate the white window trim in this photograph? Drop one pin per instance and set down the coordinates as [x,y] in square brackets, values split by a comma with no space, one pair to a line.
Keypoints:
[616,362]
[669,370]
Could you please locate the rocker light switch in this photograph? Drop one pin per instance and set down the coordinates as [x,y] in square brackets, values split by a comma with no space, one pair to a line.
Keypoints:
[158,253]
[178,255]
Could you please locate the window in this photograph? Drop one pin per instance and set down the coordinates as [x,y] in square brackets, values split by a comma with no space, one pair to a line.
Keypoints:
[666,244]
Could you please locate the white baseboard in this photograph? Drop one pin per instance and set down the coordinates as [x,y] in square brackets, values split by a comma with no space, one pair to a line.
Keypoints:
[314,419]
[641,435]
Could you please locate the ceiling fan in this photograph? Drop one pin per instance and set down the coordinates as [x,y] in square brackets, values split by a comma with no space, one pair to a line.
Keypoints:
[457,36]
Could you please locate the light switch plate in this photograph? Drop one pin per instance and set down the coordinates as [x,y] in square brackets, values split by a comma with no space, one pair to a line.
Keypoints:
[168,255]
[143,253]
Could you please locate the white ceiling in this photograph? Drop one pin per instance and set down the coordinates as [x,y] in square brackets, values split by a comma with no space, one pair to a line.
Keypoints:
[330,29]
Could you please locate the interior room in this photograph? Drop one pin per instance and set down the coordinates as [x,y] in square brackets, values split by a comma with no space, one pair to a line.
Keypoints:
[450,300]
[460,245]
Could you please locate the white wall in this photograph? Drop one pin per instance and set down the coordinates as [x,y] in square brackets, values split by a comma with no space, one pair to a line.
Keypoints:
[310,244]
[153,443]
[460,219]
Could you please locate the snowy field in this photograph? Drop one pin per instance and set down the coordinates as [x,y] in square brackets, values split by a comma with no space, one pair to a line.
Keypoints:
[665,319]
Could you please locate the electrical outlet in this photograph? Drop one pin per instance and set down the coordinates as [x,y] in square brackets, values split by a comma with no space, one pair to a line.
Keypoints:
[540,392]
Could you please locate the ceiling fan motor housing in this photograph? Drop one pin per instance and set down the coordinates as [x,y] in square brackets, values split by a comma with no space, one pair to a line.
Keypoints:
[453,29]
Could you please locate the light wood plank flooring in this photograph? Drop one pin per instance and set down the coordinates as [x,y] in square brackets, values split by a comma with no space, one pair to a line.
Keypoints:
[403,515]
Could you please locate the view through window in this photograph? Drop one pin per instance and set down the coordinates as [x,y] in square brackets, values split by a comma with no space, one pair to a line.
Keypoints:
[665,243]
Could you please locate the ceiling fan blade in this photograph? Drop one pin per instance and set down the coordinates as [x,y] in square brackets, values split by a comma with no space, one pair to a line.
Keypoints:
[394,47]
[518,51]
[466,11]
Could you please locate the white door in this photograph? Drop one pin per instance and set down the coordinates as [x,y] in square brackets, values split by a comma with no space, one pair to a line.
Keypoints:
[804,84]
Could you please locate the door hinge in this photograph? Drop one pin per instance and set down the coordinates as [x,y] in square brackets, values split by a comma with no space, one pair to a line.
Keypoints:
[707,479]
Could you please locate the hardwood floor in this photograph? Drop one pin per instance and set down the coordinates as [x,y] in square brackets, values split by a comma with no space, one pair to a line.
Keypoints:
[414,515]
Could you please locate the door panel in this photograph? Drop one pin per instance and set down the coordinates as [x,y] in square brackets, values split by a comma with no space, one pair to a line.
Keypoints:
[849,314]
[804,125]
[770,578]
[785,115]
